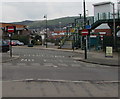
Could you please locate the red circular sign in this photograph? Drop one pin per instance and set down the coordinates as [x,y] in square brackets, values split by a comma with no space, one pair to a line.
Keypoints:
[10,29]
[84,32]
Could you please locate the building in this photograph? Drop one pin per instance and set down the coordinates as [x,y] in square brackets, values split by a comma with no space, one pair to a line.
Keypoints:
[20,29]
[103,11]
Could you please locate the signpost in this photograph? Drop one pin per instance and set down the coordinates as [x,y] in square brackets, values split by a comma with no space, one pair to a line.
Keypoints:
[10,30]
[85,32]
[88,26]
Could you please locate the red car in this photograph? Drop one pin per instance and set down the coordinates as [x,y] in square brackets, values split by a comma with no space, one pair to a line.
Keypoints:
[13,43]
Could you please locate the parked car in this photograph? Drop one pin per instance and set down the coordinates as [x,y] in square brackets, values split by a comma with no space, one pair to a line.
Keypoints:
[4,47]
[18,42]
[13,43]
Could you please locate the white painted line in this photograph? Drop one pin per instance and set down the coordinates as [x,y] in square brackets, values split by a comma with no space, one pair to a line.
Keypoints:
[44,60]
[32,60]
[55,66]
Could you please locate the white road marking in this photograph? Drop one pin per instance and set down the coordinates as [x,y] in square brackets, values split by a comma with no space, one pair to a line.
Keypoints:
[55,66]
[44,60]
[27,60]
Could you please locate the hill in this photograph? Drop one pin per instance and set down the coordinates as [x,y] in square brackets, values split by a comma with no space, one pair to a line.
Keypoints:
[50,23]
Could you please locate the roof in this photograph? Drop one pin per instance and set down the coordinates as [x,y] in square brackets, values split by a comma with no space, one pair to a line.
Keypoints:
[10,24]
[102,3]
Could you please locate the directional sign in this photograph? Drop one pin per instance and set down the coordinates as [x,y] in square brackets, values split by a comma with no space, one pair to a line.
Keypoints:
[10,29]
[84,32]
[88,26]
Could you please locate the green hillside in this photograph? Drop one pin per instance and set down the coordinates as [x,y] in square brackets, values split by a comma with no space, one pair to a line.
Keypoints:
[51,23]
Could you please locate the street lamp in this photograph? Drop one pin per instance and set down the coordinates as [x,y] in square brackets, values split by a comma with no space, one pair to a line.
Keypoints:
[60,26]
[114,27]
[45,16]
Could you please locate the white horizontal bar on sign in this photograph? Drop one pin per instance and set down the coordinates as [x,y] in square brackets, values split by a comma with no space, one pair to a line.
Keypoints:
[84,32]
[10,29]
[93,36]
[102,32]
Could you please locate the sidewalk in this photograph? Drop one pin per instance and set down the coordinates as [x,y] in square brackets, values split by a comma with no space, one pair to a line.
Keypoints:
[5,57]
[98,57]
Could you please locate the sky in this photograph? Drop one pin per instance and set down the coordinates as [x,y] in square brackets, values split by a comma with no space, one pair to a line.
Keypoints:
[20,10]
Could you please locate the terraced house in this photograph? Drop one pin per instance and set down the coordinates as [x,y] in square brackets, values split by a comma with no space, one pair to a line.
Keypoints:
[20,29]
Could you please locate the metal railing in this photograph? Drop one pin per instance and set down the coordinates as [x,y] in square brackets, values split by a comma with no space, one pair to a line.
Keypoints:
[106,16]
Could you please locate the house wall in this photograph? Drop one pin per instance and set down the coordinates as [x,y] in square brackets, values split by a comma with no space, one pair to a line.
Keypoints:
[102,8]
[19,29]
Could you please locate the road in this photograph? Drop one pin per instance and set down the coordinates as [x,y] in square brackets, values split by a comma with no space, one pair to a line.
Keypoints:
[55,65]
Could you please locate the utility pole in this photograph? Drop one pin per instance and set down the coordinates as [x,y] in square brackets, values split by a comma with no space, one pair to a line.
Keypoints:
[84,28]
[46,30]
[114,27]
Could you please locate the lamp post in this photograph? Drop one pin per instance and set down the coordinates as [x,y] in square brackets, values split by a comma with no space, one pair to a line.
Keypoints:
[84,28]
[59,26]
[45,16]
[114,27]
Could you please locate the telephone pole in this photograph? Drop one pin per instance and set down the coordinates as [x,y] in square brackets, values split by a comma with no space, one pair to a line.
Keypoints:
[84,28]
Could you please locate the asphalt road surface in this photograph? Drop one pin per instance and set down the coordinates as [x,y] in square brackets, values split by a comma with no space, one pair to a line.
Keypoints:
[50,73]
[55,65]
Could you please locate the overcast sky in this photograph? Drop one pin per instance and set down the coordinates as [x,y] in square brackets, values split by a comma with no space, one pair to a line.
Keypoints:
[20,10]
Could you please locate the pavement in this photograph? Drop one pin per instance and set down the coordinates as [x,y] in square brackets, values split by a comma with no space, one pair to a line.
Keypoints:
[94,57]
[5,57]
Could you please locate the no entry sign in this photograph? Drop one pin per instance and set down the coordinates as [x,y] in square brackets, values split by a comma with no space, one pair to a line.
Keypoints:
[11,29]
[84,32]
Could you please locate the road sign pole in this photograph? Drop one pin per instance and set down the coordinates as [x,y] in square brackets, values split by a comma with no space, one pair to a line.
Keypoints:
[10,36]
[10,30]
[86,48]
[81,42]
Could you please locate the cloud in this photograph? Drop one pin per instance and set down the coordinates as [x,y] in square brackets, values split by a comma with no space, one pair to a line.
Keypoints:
[29,10]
